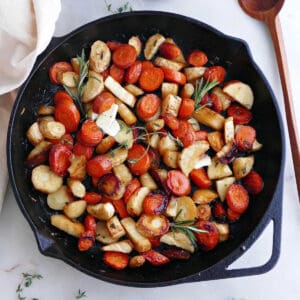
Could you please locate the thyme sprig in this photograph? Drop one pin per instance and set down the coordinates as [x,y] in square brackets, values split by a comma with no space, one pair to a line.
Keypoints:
[26,282]
[80,294]
[83,73]
[125,7]
[187,227]
[201,89]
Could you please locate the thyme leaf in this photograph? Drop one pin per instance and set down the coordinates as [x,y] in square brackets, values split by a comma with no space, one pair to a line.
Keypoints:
[80,294]
[124,8]
[201,89]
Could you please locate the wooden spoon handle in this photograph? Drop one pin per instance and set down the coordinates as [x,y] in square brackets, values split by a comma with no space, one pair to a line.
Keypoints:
[276,33]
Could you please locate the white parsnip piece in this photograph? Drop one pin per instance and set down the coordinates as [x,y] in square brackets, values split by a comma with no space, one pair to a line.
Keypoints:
[100,56]
[101,211]
[125,113]
[69,79]
[169,88]
[34,134]
[147,181]
[135,202]
[141,243]
[218,170]
[103,235]
[115,228]
[124,246]
[75,65]
[171,210]
[65,224]
[223,231]
[46,110]
[170,158]
[51,129]
[193,73]
[166,143]
[134,90]
[105,145]
[152,45]
[155,125]
[242,166]
[225,99]
[77,187]
[125,135]
[171,105]
[121,93]
[216,140]
[77,169]
[209,118]
[93,87]
[117,156]
[228,130]
[136,261]
[59,198]
[204,196]
[222,186]
[75,209]
[135,42]
[190,156]
[194,123]
[178,239]
[186,209]
[187,90]
[123,173]
[45,180]
[167,63]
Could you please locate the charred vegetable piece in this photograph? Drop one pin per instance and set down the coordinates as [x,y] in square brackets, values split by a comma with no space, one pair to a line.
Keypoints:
[116,260]
[155,203]
[152,225]
[111,186]
[155,258]
[207,241]
[176,253]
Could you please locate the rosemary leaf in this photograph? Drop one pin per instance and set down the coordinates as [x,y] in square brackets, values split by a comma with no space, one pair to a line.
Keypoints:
[80,294]
[177,140]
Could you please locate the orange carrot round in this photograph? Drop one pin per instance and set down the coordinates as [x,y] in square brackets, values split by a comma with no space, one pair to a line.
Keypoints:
[151,79]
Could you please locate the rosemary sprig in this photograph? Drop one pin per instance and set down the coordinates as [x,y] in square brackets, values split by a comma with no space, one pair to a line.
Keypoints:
[83,72]
[187,227]
[201,89]
[26,282]
[125,7]
[80,294]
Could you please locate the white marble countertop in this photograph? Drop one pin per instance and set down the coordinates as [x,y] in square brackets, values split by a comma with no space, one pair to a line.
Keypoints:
[19,252]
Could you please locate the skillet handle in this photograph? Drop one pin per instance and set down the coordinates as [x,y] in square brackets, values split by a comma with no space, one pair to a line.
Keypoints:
[221,271]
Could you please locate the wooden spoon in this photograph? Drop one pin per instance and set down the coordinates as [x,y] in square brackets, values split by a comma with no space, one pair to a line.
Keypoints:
[267,11]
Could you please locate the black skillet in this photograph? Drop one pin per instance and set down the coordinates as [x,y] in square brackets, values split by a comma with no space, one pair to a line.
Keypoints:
[230,52]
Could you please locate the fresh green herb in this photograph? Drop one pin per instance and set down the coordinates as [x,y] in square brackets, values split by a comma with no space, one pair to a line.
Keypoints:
[176,139]
[201,89]
[26,282]
[125,7]
[83,73]
[187,227]
[80,294]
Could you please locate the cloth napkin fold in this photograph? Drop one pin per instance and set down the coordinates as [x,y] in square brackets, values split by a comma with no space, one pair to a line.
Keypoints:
[26,28]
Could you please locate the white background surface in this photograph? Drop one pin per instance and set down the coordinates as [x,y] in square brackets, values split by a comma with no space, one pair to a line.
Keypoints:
[18,249]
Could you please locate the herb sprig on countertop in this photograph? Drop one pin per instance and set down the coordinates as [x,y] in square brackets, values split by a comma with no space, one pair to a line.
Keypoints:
[124,8]
[201,89]
[26,282]
[80,294]
[187,227]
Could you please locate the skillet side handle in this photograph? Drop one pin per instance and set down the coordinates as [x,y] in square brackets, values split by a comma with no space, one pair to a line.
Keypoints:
[221,271]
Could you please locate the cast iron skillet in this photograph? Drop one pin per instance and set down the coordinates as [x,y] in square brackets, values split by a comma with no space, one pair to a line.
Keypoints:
[189,34]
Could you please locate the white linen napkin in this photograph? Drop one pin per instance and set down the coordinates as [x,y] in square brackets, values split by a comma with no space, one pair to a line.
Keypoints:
[26,28]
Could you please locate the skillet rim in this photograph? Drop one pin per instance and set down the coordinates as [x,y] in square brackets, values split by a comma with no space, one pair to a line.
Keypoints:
[53,251]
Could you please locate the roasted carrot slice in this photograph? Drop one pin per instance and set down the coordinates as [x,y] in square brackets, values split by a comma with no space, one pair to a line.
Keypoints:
[138,160]
[207,241]
[133,72]
[216,103]
[185,133]
[124,56]
[103,102]
[89,134]
[98,166]
[92,198]
[245,137]
[116,260]
[113,45]
[59,95]
[120,208]
[148,106]
[59,159]
[178,183]
[86,240]
[176,253]
[197,58]
[151,79]
[171,121]
[186,109]
[117,73]
[219,211]
[147,64]
[59,67]
[86,151]
[241,115]
[67,113]
[90,223]
[216,73]
[253,183]
[232,216]
[237,198]
[155,203]
[174,76]
[200,178]
[155,258]
[169,51]
[201,135]
[131,187]
[66,139]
